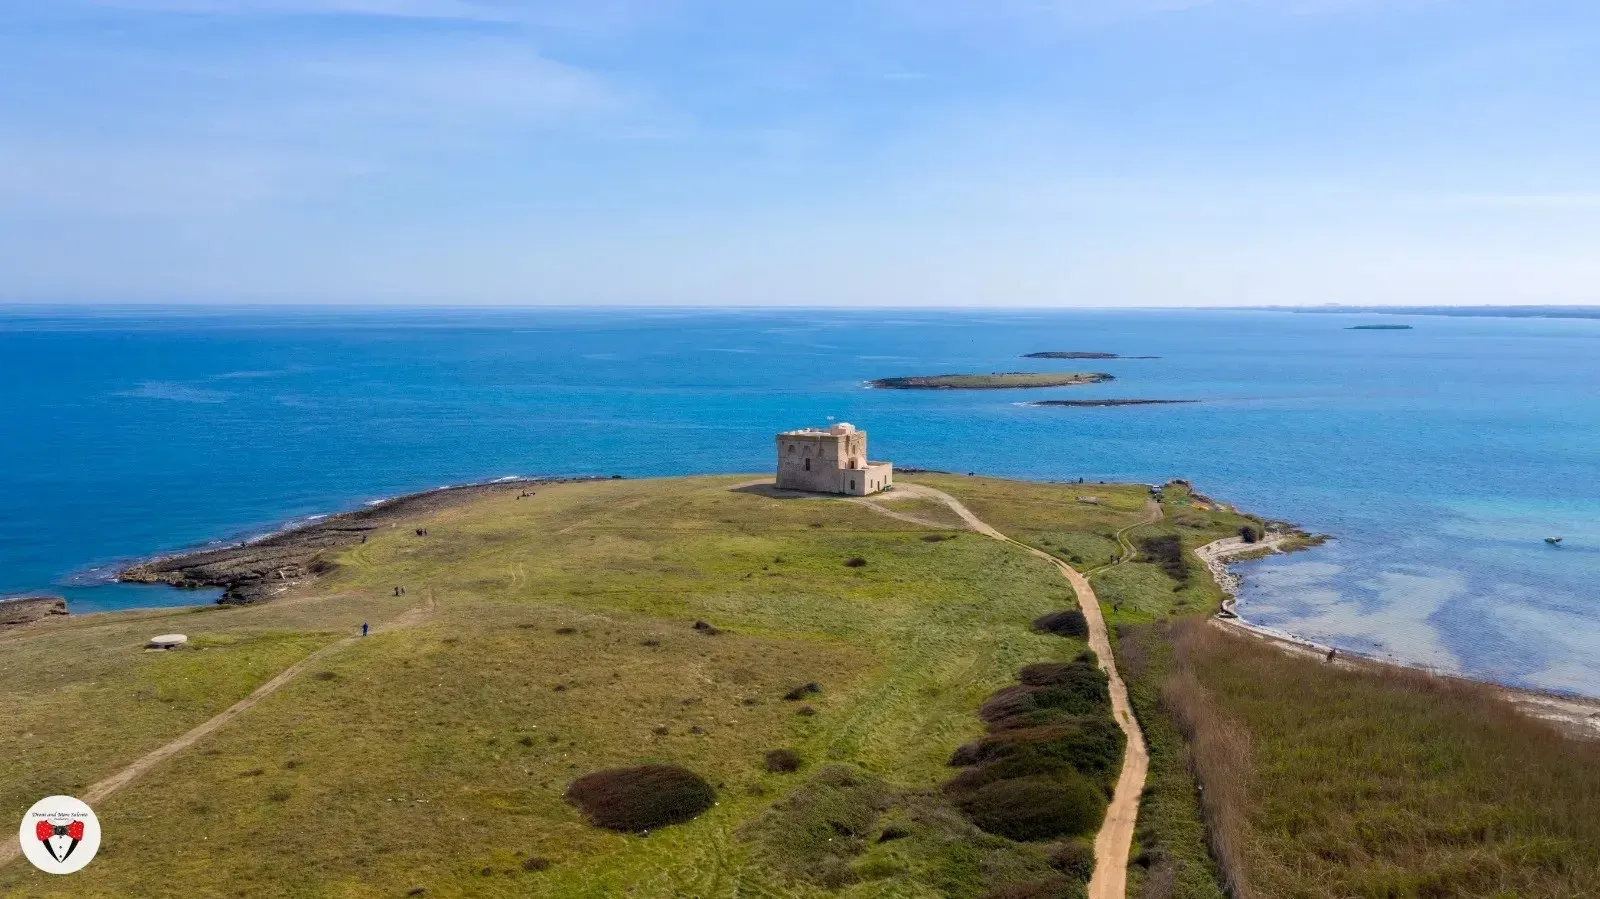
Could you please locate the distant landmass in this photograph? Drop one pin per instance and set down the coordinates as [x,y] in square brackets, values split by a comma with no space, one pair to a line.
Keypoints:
[1378,328]
[995,381]
[1074,354]
[1088,403]
[1458,311]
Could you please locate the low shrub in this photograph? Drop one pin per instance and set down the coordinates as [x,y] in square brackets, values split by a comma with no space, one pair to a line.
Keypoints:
[1075,690]
[1250,533]
[1066,623]
[1166,550]
[802,691]
[1042,888]
[814,833]
[1073,858]
[893,832]
[1036,808]
[535,863]
[783,761]
[636,800]
[1050,758]
[707,628]
[1090,745]
[855,562]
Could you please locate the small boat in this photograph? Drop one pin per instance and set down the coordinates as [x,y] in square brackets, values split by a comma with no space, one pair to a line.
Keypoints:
[1553,541]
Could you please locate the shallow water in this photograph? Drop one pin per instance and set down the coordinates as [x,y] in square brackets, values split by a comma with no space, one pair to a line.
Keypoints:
[1440,457]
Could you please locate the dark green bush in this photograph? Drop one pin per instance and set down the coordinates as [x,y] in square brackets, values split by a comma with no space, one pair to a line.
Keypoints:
[1166,550]
[783,761]
[1090,745]
[635,800]
[802,691]
[1065,623]
[1078,688]
[1036,808]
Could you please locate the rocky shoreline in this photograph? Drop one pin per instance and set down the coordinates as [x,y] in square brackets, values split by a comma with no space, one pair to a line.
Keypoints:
[261,569]
[1009,380]
[25,610]
[1076,354]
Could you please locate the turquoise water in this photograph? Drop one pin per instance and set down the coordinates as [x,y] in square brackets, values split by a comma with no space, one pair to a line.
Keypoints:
[1439,457]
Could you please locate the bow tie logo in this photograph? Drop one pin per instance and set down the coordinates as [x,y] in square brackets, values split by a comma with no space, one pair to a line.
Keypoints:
[44,830]
[59,835]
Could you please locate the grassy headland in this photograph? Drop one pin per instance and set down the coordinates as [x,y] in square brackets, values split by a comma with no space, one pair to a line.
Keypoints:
[557,637]
[872,729]
[995,381]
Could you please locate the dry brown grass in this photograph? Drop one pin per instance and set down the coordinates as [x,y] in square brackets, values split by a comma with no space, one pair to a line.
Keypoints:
[1219,751]
[1323,781]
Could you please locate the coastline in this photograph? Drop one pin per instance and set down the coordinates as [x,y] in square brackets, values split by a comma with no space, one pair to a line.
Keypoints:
[1576,714]
[264,567]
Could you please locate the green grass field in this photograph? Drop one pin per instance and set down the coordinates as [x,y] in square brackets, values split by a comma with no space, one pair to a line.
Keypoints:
[561,640]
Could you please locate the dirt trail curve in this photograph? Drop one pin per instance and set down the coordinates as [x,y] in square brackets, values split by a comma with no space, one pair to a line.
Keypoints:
[99,792]
[1114,842]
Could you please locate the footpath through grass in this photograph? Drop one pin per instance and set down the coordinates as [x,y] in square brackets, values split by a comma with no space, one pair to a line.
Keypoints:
[1080,523]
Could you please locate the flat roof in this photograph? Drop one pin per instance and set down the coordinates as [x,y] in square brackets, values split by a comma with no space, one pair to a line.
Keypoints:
[837,430]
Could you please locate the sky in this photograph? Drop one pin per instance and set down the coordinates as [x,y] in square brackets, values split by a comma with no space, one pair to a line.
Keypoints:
[800,152]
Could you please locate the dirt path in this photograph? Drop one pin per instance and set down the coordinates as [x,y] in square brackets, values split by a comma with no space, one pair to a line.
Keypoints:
[1114,842]
[99,792]
[1152,514]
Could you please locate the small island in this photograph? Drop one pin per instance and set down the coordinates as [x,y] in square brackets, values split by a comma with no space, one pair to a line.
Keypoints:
[1090,403]
[1378,328]
[1076,354]
[995,381]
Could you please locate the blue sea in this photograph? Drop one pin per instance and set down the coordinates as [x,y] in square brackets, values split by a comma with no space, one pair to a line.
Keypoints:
[1440,458]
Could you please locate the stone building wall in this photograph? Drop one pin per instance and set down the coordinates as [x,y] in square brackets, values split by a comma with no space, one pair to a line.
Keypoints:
[830,461]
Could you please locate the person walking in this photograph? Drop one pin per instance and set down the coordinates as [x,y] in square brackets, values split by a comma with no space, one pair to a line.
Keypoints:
[363,628]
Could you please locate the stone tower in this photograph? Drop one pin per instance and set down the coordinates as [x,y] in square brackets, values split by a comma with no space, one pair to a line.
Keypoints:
[830,460]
